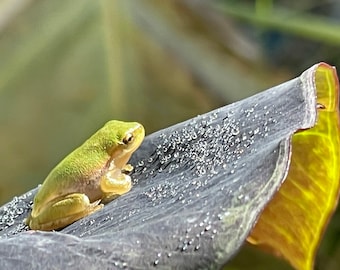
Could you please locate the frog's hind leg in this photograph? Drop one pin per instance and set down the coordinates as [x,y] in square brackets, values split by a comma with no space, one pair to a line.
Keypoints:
[64,212]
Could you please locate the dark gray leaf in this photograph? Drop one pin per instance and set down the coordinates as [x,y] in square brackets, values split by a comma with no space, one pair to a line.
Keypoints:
[199,187]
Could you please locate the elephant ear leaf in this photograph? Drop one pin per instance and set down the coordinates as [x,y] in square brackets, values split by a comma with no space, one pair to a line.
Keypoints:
[199,188]
[293,223]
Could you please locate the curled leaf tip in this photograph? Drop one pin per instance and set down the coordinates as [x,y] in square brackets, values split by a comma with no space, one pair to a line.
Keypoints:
[292,224]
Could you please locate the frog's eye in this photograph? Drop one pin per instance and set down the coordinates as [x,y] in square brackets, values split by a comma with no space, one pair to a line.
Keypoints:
[128,138]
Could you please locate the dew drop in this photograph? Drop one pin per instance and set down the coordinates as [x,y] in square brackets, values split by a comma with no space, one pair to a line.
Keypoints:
[141,163]
[235,131]
[207,228]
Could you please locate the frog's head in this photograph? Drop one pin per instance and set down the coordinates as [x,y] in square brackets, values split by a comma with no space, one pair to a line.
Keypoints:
[120,139]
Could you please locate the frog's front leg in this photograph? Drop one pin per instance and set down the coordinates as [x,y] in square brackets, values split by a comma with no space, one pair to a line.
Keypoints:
[63,212]
[115,183]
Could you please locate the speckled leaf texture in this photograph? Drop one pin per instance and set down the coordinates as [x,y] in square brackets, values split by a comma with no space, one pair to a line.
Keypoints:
[199,187]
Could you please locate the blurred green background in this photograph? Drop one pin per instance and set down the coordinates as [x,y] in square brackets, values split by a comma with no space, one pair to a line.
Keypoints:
[67,67]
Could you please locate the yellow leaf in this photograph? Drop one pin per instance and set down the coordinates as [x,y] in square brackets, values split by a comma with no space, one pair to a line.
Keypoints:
[292,224]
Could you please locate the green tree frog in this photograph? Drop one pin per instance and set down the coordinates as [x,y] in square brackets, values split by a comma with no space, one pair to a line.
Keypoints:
[93,174]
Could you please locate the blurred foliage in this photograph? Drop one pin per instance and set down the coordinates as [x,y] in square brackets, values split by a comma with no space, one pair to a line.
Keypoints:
[69,66]
[294,35]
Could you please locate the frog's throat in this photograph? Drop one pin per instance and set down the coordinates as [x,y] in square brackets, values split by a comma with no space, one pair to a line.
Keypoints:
[121,160]
[120,157]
